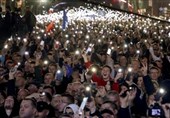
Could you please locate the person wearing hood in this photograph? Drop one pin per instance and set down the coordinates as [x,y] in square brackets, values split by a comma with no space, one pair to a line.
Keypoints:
[71,109]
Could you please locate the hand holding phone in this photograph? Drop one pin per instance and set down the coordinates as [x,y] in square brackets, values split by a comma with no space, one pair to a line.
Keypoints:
[109,51]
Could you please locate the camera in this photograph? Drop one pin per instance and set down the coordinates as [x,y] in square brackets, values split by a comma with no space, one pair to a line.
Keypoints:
[155,111]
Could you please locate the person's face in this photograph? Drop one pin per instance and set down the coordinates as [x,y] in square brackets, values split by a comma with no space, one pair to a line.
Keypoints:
[56,101]
[154,74]
[106,106]
[76,87]
[159,64]
[20,82]
[140,81]
[131,50]
[135,64]
[50,56]
[90,104]
[105,73]
[18,74]
[21,95]
[123,61]
[69,111]
[69,88]
[26,109]
[106,115]
[103,58]
[63,104]
[113,98]
[156,50]
[9,102]
[52,69]
[32,88]
[48,79]
[42,114]
[27,67]
[75,76]
[68,60]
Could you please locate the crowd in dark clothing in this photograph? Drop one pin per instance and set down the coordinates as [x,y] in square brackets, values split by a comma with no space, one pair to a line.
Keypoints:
[13,23]
[120,65]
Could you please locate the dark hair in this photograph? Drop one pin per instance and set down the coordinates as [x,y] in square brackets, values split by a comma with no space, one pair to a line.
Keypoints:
[3,94]
[69,97]
[49,87]
[107,111]
[113,105]
[0,9]
[154,68]
[33,101]
[49,97]
[8,7]
[108,67]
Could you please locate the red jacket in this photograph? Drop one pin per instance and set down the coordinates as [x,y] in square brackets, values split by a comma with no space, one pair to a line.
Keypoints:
[99,80]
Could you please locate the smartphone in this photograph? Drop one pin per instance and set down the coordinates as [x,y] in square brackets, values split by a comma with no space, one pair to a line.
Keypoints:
[83,104]
[109,51]
[14,69]
[59,75]
[89,49]
[42,43]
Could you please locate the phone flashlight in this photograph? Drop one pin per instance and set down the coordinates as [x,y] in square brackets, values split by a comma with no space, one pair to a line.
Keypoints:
[66,35]
[129,69]
[38,37]
[119,70]
[67,41]
[10,39]
[77,52]
[58,71]
[19,63]
[87,36]
[19,38]
[93,69]
[130,88]
[6,46]
[25,40]
[109,51]
[161,91]
[42,31]
[43,93]
[138,51]
[26,53]
[57,42]
[45,62]
[125,45]
[112,48]
[88,88]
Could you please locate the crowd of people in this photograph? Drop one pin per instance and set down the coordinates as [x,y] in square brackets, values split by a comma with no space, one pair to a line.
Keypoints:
[102,64]
[13,22]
